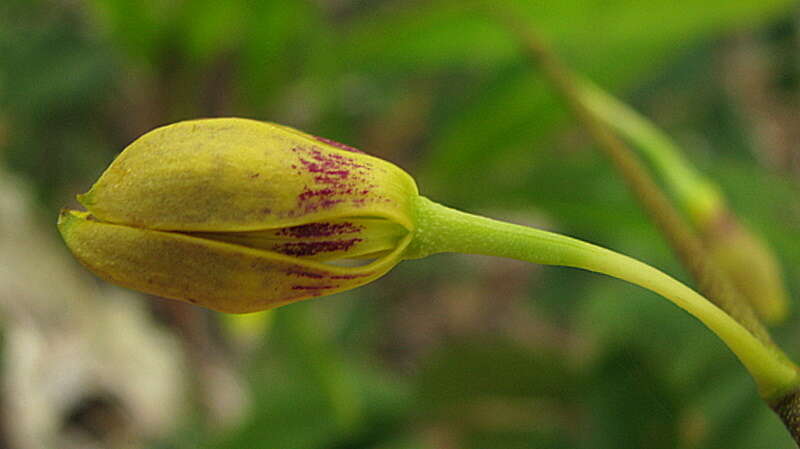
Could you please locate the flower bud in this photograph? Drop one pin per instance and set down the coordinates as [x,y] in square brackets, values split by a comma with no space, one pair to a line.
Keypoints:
[749,263]
[239,215]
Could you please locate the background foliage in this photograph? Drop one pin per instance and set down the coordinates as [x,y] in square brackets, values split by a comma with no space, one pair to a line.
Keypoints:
[450,352]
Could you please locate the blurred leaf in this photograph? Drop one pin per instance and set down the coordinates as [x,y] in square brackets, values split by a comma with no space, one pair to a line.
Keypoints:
[288,413]
[462,372]
[629,405]
[733,418]
[768,202]
[424,37]
[429,35]
[51,114]
[497,394]
[503,119]
[212,27]
[515,440]
[308,394]
[280,36]
[139,28]
[512,112]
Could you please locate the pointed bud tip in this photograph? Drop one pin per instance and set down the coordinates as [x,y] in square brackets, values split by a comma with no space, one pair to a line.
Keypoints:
[66,217]
[239,216]
[85,199]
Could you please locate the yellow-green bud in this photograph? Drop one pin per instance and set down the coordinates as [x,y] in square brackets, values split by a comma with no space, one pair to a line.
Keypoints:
[750,264]
[239,215]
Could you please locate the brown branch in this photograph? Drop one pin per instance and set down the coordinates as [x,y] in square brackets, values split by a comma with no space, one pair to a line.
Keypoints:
[788,408]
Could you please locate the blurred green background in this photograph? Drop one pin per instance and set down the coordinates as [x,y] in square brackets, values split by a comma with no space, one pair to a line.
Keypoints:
[450,352]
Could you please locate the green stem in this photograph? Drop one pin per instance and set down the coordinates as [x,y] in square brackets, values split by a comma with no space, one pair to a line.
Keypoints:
[442,229]
[699,196]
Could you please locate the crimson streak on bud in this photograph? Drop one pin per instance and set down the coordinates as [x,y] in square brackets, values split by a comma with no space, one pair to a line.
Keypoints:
[239,215]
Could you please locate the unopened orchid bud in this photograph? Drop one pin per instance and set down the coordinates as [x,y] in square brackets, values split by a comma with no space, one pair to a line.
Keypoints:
[239,215]
[749,262]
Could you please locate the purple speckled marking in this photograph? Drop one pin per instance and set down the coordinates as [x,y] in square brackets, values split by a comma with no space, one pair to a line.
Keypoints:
[311,248]
[338,145]
[308,194]
[337,178]
[328,163]
[304,274]
[321,229]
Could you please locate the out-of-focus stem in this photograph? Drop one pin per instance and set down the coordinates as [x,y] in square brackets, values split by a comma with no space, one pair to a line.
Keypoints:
[698,196]
[735,249]
[711,280]
[714,284]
